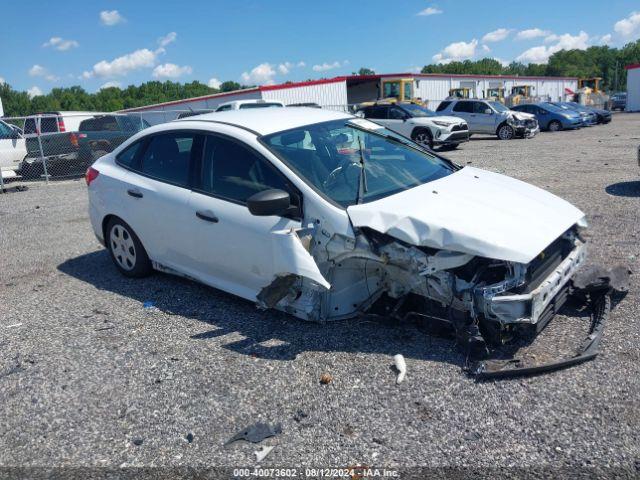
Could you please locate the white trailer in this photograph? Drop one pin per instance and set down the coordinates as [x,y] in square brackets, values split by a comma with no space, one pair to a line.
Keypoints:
[633,87]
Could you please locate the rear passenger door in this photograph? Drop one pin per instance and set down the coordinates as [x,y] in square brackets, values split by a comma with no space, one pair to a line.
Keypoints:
[230,248]
[156,196]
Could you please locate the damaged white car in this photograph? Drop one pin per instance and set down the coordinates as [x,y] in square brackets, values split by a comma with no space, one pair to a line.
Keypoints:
[327,216]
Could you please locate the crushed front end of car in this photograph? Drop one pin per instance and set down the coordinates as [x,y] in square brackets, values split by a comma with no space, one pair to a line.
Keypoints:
[524,125]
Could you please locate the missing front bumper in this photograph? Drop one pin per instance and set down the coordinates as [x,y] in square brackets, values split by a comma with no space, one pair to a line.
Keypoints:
[530,307]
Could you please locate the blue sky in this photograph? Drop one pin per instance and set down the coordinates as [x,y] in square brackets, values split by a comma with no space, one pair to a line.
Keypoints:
[117,42]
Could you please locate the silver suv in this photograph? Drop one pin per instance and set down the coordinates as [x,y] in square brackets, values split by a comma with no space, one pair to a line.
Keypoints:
[490,117]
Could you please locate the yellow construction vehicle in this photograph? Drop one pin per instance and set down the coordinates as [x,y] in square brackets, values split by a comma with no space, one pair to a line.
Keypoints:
[592,84]
[495,94]
[460,93]
[400,89]
[520,94]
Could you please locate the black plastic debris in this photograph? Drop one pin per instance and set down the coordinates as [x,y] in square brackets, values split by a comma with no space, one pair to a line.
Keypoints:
[256,433]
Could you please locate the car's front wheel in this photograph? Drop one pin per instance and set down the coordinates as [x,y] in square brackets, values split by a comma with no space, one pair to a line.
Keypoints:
[506,132]
[127,252]
[423,137]
[555,126]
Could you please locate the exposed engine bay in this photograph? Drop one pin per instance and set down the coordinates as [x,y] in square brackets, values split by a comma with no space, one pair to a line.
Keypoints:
[485,302]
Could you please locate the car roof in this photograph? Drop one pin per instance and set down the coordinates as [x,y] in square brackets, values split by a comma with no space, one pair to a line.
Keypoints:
[264,121]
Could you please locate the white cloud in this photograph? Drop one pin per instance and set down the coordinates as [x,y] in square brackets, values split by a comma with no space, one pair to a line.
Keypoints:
[214,83]
[61,44]
[542,53]
[323,67]
[628,27]
[167,39]
[111,17]
[605,39]
[285,68]
[37,71]
[497,35]
[40,71]
[260,75]
[171,70]
[301,64]
[143,58]
[2,81]
[456,51]
[486,49]
[112,84]
[34,92]
[532,33]
[429,11]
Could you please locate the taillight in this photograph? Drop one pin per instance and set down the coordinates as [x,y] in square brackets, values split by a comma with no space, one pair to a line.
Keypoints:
[61,127]
[74,139]
[91,175]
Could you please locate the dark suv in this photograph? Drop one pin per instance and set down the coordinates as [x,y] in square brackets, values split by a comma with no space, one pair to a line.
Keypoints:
[100,135]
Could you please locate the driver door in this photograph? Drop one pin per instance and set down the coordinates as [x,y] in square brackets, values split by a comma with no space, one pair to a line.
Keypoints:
[229,248]
[486,122]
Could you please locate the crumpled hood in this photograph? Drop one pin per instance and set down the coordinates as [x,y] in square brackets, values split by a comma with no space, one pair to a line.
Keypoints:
[522,115]
[472,211]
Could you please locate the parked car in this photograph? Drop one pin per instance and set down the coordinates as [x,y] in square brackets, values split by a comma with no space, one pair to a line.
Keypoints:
[263,204]
[54,130]
[244,104]
[12,150]
[193,113]
[589,118]
[94,137]
[603,116]
[305,104]
[619,101]
[550,117]
[100,135]
[418,123]
[491,117]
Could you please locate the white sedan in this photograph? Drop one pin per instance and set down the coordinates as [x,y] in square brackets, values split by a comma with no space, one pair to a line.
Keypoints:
[325,215]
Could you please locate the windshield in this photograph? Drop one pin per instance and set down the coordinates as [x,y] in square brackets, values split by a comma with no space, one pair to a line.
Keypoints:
[329,156]
[417,110]
[259,105]
[551,107]
[498,107]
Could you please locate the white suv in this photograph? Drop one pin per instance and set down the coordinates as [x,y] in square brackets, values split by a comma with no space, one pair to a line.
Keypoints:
[12,150]
[418,123]
[245,104]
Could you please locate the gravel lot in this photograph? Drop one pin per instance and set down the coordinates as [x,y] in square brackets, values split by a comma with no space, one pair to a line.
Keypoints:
[88,377]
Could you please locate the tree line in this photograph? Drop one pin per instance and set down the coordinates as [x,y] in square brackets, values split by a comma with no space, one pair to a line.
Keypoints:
[597,61]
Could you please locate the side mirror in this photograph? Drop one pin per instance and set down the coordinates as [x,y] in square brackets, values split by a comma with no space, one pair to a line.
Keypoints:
[269,202]
[488,111]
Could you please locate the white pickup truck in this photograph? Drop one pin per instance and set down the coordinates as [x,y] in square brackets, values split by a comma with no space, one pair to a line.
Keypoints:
[12,150]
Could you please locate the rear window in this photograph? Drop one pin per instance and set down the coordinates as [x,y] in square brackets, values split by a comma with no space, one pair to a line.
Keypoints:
[128,155]
[49,124]
[442,106]
[29,126]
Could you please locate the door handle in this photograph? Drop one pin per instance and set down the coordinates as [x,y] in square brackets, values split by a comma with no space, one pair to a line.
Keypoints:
[135,193]
[207,216]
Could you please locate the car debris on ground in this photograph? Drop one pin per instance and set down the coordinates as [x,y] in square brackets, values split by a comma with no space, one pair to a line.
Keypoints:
[401,366]
[256,433]
[263,452]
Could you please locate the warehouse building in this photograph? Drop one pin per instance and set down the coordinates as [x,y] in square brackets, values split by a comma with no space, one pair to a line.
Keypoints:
[342,92]
[633,87]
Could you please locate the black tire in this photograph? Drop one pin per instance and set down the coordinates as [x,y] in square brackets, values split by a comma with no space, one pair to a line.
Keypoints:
[448,148]
[554,126]
[505,132]
[423,137]
[127,252]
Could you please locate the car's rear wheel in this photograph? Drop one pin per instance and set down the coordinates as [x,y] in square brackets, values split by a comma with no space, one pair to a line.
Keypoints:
[423,137]
[555,126]
[506,132]
[127,252]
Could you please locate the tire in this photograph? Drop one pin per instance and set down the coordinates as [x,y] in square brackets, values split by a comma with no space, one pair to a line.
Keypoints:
[127,252]
[448,148]
[554,126]
[423,137]
[505,132]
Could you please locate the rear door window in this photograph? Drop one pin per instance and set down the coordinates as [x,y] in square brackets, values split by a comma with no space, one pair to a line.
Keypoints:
[127,157]
[167,157]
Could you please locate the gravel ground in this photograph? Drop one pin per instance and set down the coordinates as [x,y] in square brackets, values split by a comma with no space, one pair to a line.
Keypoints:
[88,377]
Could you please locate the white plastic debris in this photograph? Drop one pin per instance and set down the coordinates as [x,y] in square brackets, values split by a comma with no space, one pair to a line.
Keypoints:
[263,452]
[401,366]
